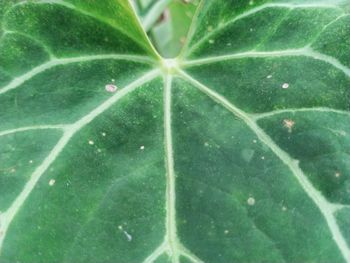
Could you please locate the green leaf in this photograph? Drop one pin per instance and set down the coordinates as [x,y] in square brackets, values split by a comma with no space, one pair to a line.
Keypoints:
[236,151]
[169,35]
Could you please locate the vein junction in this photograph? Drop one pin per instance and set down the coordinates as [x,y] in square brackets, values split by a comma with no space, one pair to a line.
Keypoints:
[171,243]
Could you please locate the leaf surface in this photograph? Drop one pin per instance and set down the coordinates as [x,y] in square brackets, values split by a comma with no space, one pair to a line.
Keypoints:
[236,151]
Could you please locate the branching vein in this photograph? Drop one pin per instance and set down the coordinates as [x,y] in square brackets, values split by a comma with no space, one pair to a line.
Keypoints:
[326,208]
[302,52]
[63,61]
[38,127]
[259,116]
[69,132]
[254,11]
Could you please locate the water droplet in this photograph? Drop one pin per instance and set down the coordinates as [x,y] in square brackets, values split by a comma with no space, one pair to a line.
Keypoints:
[251,201]
[111,88]
[285,86]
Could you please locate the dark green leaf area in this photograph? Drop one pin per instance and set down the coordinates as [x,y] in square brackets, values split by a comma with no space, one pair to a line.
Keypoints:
[65,93]
[19,160]
[19,54]
[344,223]
[67,31]
[259,84]
[335,40]
[112,176]
[222,166]
[321,143]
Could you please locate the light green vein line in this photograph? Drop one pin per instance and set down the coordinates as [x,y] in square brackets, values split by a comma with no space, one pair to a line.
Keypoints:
[63,61]
[302,52]
[171,232]
[69,132]
[258,116]
[254,11]
[78,10]
[38,127]
[324,206]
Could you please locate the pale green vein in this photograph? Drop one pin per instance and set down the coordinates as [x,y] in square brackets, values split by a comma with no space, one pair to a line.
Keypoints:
[254,11]
[326,208]
[79,10]
[258,116]
[325,27]
[157,253]
[37,41]
[171,243]
[302,52]
[171,231]
[16,82]
[188,254]
[69,132]
[29,128]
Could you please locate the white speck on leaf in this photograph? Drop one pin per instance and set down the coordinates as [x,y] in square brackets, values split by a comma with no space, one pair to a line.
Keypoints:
[251,201]
[269,76]
[52,182]
[255,141]
[111,88]
[91,142]
[284,208]
[288,124]
[30,161]
[285,86]
[103,134]
[128,236]
[226,232]
[142,147]
[211,41]
[337,174]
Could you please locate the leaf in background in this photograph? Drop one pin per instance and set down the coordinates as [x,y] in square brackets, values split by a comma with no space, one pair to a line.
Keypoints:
[167,23]
[237,151]
[169,35]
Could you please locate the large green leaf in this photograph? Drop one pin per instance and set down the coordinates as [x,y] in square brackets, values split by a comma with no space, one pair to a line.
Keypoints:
[236,151]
